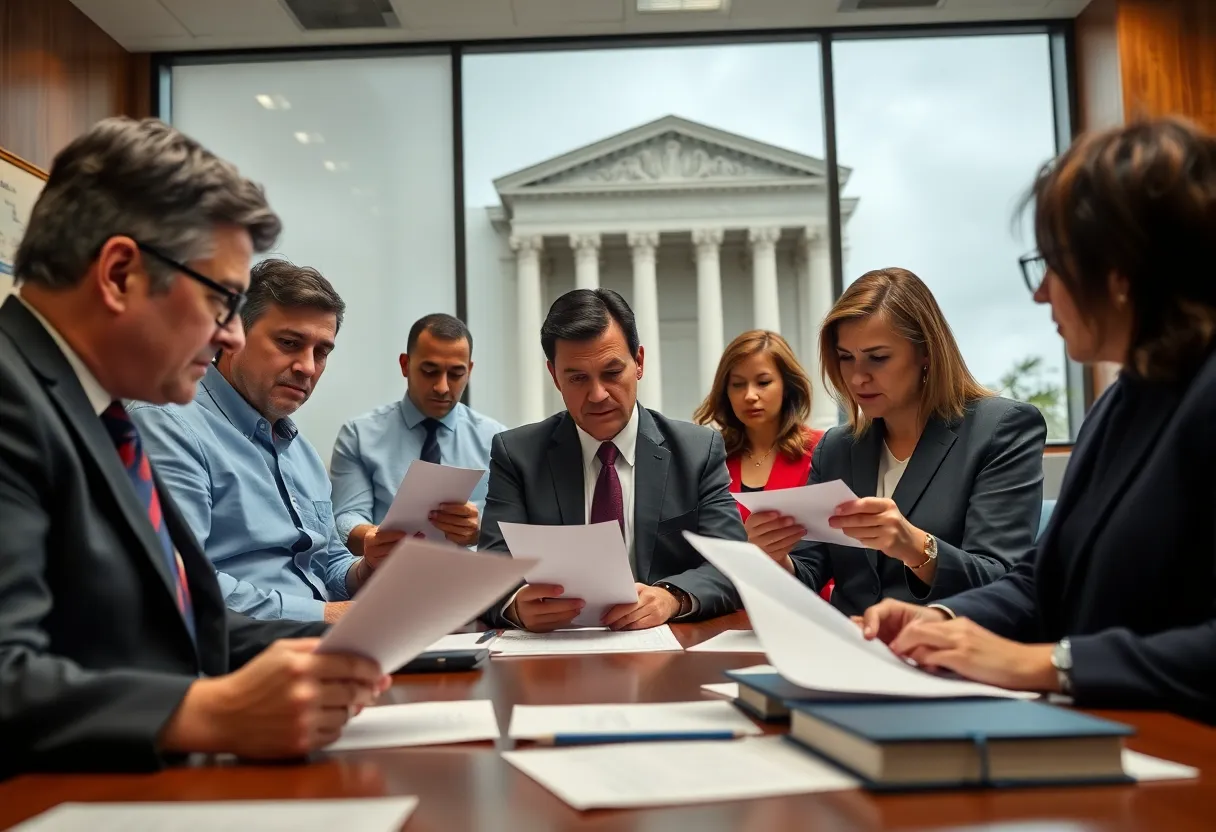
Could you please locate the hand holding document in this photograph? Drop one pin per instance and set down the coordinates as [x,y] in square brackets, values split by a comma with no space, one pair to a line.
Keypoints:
[629,776]
[810,505]
[813,644]
[419,723]
[637,722]
[422,591]
[573,642]
[588,562]
[425,487]
[373,814]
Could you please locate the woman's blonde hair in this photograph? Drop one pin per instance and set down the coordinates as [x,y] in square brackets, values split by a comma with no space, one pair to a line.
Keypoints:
[907,305]
[792,438]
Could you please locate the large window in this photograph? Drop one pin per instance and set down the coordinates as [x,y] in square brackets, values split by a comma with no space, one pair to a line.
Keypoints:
[356,156]
[943,136]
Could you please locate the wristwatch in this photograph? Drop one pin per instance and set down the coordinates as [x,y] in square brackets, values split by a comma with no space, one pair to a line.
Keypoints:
[680,595]
[1061,660]
[930,551]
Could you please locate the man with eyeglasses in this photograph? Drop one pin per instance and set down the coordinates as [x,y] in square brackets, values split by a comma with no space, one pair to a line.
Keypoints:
[116,650]
[253,490]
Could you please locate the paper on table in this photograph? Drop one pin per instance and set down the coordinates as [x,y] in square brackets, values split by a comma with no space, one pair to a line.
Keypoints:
[535,722]
[421,591]
[565,642]
[425,486]
[810,505]
[419,723]
[373,814]
[731,641]
[629,775]
[461,641]
[588,562]
[1144,768]
[727,690]
[813,644]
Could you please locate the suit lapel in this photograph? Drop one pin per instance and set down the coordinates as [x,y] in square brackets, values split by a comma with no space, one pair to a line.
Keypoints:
[934,443]
[865,471]
[566,468]
[651,461]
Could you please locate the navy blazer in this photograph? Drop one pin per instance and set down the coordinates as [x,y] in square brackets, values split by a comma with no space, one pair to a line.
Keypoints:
[1137,599]
[974,483]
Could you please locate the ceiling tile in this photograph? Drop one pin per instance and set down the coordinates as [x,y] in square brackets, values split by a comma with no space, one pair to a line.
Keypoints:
[130,20]
[454,14]
[232,17]
[546,12]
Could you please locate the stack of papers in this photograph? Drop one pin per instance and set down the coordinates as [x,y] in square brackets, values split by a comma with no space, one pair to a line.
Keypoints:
[731,641]
[425,487]
[575,642]
[377,814]
[573,724]
[730,690]
[630,775]
[419,723]
[1144,768]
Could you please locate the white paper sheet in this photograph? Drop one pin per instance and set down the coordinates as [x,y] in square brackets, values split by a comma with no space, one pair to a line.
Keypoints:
[374,814]
[461,641]
[813,644]
[568,642]
[810,505]
[421,591]
[725,690]
[419,723]
[731,641]
[425,486]
[631,775]
[588,562]
[1145,769]
[543,722]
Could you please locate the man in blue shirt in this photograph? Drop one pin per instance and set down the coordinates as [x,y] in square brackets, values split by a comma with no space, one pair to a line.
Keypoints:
[254,492]
[430,423]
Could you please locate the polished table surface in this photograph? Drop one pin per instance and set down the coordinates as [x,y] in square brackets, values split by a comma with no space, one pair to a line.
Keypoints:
[471,787]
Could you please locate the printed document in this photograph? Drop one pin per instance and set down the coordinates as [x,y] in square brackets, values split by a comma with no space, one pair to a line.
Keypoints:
[425,487]
[372,814]
[810,505]
[731,641]
[546,722]
[572,642]
[588,562]
[632,775]
[813,644]
[419,723]
[420,592]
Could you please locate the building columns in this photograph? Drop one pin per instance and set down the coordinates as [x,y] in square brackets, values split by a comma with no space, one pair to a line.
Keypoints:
[646,312]
[766,302]
[815,291]
[528,306]
[586,260]
[709,303]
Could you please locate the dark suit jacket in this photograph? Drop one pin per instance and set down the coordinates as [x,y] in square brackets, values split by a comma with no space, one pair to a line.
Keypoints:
[680,483]
[1137,599]
[94,655]
[975,484]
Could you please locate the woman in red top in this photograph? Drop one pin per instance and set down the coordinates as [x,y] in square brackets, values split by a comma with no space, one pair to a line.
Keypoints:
[760,401]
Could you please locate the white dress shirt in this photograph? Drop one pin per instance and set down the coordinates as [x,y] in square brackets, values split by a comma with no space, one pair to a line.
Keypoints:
[626,444]
[97,395]
[890,472]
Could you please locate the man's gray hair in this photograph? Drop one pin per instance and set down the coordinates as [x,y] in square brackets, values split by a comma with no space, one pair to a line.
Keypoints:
[142,179]
[277,282]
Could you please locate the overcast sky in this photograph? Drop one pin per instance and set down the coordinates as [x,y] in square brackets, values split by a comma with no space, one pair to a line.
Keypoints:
[942,135]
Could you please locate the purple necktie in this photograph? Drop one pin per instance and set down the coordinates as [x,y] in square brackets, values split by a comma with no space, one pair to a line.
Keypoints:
[607,503]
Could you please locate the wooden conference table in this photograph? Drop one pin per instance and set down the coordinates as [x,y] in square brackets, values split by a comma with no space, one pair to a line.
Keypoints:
[468,787]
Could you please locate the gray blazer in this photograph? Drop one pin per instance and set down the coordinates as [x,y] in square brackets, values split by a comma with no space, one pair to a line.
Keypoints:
[976,484]
[681,482]
[94,656]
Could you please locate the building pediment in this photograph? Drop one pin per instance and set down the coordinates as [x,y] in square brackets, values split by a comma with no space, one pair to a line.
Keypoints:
[668,154]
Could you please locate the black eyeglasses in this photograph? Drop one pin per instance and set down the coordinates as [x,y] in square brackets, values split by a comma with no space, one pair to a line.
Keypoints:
[233,301]
[1034,270]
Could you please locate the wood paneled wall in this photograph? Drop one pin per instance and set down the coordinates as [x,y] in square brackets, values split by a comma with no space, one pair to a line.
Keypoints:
[1167,55]
[60,73]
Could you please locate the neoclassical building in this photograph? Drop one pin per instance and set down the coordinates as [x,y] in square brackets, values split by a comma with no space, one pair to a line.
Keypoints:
[704,232]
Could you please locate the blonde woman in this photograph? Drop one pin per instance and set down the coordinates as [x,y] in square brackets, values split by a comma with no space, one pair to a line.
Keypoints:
[949,477]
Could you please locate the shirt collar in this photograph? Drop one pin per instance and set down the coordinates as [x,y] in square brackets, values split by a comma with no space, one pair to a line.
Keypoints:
[414,417]
[626,441]
[216,390]
[97,395]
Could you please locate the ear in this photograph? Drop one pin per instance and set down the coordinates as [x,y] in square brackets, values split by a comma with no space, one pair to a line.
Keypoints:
[118,261]
[404,361]
[469,371]
[640,358]
[552,375]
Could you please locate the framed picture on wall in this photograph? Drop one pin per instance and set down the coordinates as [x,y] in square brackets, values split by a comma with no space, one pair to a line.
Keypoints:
[20,184]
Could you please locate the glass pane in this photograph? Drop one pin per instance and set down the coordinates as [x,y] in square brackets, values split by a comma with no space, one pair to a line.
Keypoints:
[943,136]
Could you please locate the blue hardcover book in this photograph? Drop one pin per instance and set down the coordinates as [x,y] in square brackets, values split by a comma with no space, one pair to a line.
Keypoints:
[921,744]
[766,696]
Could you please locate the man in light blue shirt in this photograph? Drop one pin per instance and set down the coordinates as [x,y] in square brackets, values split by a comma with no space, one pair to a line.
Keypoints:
[372,452]
[254,492]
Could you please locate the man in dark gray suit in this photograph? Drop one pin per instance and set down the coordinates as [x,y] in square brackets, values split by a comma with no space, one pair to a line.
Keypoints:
[607,458]
[116,651]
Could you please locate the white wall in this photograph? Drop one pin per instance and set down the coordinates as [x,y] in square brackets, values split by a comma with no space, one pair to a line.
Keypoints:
[380,226]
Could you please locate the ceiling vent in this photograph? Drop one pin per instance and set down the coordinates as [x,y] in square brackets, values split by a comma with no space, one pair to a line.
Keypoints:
[888,5]
[323,15]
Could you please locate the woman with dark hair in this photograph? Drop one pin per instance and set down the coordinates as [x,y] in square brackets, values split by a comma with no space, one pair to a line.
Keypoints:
[1117,607]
